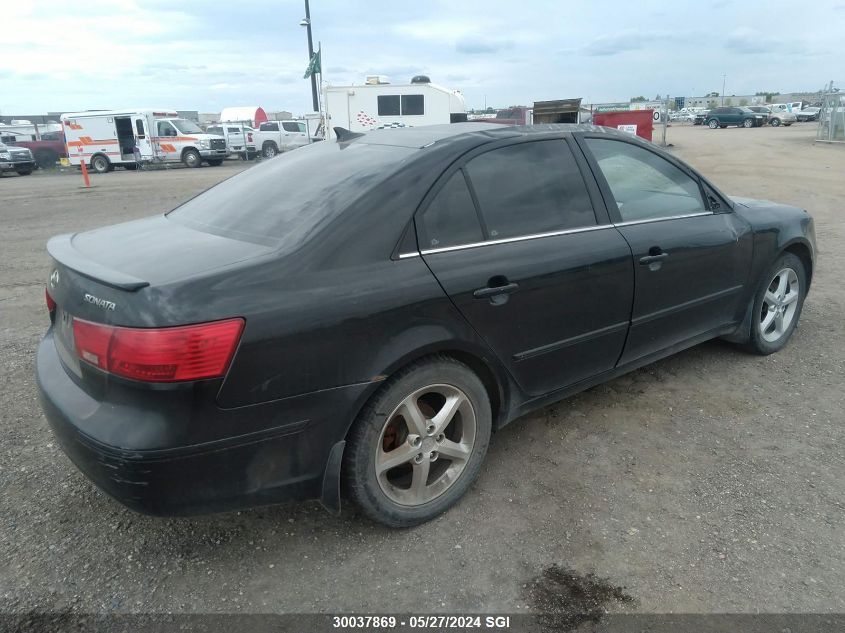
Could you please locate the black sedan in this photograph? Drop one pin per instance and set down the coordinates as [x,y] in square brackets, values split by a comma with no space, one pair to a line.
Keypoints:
[357,317]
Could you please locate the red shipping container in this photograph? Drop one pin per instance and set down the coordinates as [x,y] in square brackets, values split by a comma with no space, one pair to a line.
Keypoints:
[639,122]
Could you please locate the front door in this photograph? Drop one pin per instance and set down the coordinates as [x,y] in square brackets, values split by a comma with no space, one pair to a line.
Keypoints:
[691,260]
[513,238]
[142,140]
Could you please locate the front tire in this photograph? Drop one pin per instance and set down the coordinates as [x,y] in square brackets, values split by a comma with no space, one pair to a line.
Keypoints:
[777,305]
[191,158]
[24,172]
[775,123]
[712,124]
[100,164]
[419,443]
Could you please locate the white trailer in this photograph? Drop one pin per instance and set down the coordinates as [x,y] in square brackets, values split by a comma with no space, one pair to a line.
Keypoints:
[105,138]
[378,104]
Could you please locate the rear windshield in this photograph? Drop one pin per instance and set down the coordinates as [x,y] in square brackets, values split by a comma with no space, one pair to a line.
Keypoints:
[284,201]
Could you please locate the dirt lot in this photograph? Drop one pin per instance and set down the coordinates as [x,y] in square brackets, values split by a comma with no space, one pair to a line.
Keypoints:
[709,482]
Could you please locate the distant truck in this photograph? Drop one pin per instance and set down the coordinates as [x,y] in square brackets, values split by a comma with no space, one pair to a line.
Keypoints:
[274,137]
[106,138]
[45,141]
[514,115]
[378,103]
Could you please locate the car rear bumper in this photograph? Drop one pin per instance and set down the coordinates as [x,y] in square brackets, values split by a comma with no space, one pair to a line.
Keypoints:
[285,461]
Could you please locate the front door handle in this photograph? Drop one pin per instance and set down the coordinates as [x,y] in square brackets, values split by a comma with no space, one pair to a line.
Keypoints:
[486,293]
[650,259]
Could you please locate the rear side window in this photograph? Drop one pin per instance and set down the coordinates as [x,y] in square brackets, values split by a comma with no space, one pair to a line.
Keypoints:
[290,127]
[234,130]
[269,127]
[451,219]
[530,188]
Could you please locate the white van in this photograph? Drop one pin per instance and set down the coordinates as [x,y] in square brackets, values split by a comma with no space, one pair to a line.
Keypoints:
[105,138]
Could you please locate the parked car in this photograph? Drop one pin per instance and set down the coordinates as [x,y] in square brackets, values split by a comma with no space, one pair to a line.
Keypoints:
[808,114]
[781,114]
[16,159]
[240,139]
[46,151]
[274,137]
[700,117]
[722,117]
[762,110]
[368,311]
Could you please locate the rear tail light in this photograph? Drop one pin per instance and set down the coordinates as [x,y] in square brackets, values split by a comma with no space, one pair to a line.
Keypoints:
[172,354]
[51,303]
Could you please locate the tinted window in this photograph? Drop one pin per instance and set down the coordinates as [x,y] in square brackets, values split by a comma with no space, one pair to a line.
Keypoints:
[234,130]
[286,201]
[645,185]
[215,130]
[139,127]
[269,127]
[388,105]
[451,219]
[301,127]
[530,188]
[290,127]
[413,104]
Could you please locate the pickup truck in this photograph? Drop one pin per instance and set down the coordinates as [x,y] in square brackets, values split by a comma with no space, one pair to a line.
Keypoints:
[234,134]
[47,151]
[274,137]
[17,159]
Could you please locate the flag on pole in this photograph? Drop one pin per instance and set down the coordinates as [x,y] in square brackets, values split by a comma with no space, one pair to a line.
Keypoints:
[313,66]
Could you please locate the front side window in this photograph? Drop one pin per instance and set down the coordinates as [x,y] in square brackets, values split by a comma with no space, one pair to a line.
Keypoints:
[451,219]
[388,105]
[530,188]
[165,129]
[290,127]
[139,127]
[644,185]
[269,127]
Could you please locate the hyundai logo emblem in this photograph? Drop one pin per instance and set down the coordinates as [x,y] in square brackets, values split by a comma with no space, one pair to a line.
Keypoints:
[54,278]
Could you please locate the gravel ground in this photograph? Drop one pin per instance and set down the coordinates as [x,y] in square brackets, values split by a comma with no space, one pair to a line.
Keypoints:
[709,482]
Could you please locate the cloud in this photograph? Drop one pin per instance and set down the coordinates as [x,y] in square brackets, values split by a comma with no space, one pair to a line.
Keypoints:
[616,44]
[482,47]
[748,41]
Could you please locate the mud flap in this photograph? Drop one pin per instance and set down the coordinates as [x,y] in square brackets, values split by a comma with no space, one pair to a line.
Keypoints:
[330,494]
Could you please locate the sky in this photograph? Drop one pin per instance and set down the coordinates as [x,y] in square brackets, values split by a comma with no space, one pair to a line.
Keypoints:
[206,55]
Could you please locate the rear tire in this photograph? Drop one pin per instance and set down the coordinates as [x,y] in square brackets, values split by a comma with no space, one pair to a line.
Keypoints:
[436,454]
[748,123]
[46,158]
[777,305]
[270,150]
[191,158]
[100,164]
[775,122]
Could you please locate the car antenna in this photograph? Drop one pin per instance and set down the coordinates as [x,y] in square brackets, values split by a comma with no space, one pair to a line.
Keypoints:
[344,135]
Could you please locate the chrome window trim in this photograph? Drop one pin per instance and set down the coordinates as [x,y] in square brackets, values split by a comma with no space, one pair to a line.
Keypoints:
[508,240]
[669,217]
[408,255]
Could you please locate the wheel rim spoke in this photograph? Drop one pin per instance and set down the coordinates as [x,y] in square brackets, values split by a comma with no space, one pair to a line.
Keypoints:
[445,416]
[410,410]
[394,458]
[770,298]
[418,481]
[792,297]
[454,450]
[780,305]
[767,320]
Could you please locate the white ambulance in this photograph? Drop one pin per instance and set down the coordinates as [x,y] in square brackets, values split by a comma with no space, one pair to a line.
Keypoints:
[105,138]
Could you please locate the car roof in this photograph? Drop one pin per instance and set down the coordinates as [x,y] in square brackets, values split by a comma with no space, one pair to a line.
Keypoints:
[419,137]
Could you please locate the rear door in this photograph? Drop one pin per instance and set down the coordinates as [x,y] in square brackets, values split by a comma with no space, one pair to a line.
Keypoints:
[512,236]
[294,134]
[691,253]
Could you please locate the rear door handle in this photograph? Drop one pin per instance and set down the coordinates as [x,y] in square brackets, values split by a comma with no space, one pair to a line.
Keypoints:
[650,259]
[484,293]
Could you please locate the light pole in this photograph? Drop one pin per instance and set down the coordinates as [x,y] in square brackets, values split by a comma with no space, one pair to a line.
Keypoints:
[724,78]
[307,24]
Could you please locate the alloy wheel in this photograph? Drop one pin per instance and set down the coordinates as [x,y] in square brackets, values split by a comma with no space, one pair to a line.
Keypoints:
[425,444]
[779,305]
